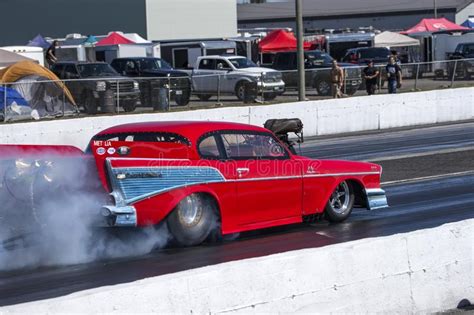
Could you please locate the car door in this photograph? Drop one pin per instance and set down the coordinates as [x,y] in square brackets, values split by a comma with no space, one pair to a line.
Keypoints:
[227,78]
[268,180]
[204,78]
[212,155]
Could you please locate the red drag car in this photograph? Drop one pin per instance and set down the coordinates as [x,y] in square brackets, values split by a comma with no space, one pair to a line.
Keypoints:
[193,175]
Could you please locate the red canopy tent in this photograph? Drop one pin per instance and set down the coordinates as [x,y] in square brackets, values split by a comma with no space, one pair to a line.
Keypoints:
[279,40]
[434,25]
[114,39]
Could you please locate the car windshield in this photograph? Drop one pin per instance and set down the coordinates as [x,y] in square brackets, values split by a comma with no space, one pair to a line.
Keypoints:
[154,64]
[318,58]
[96,70]
[240,63]
[375,53]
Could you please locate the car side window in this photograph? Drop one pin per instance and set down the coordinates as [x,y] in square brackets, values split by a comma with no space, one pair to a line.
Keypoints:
[208,148]
[222,65]
[207,64]
[252,146]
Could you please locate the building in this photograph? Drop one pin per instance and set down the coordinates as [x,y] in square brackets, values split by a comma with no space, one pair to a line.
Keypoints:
[152,19]
[336,14]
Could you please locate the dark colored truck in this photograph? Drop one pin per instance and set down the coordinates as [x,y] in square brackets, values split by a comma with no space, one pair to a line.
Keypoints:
[97,85]
[318,67]
[464,68]
[153,74]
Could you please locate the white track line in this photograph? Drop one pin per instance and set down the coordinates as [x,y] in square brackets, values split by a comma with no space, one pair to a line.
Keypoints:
[412,155]
[427,178]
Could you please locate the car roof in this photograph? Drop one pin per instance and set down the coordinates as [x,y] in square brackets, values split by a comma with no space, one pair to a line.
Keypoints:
[189,129]
[80,63]
[135,58]
[367,48]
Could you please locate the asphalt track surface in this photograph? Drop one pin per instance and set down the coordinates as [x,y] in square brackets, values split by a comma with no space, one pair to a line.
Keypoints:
[414,205]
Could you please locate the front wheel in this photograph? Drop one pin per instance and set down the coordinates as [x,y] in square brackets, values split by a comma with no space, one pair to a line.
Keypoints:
[192,220]
[340,203]
[129,106]
[89,103]
[182,99]
[323,87]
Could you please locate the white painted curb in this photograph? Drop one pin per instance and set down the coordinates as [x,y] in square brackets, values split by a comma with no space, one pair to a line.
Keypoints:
[422,271]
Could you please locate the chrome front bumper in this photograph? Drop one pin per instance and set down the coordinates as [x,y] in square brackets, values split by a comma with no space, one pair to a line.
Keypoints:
[376,199]
[119,216]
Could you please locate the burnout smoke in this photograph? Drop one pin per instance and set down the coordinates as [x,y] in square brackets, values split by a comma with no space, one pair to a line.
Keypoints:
[50,214]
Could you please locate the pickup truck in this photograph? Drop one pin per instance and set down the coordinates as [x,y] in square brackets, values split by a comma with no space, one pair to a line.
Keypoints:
[464,68]
[154,73]
[214,75]
[318,66]
[96,84]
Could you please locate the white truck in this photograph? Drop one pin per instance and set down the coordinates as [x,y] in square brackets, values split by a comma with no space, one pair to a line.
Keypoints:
[215,75]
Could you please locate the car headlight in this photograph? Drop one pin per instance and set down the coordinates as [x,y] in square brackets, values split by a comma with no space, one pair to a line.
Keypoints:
[136,86]
[100,86]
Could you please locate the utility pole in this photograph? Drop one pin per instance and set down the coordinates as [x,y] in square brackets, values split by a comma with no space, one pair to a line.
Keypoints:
[435,9]
[300,50]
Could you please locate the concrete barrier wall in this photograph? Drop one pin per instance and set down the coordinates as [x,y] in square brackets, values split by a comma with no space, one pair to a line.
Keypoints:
[319,117]
[423,271]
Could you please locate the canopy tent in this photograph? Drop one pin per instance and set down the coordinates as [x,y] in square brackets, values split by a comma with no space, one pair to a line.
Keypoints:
[90,40]
[434,25]
[39,41]
[279,40]
[469,23]
[41,88]
[114,39]
[391,39]
[8,58]
[134,37]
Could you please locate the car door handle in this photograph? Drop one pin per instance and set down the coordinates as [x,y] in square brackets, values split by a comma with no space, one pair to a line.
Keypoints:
[242,170]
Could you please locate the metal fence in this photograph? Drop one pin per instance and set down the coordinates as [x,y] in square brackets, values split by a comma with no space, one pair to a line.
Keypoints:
[34,98]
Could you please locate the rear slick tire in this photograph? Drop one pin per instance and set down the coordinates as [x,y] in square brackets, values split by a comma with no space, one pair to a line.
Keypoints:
[192,220]
[340,203]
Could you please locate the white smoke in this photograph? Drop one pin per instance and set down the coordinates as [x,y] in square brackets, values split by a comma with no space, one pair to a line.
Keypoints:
[50,212]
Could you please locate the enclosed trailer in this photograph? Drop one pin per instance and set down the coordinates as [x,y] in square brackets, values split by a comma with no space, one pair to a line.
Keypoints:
[337,44]
[109,53]
[183,55]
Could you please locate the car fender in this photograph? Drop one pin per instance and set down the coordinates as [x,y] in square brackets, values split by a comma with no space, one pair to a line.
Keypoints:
[152,210]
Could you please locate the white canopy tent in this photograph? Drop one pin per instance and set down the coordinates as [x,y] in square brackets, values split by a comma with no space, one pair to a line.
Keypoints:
[391,39]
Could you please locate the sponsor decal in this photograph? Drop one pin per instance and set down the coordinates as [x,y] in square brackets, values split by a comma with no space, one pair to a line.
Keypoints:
[111,151]
[100,151]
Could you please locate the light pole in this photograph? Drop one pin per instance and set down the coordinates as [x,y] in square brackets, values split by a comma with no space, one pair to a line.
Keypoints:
[300,50]
[435,9]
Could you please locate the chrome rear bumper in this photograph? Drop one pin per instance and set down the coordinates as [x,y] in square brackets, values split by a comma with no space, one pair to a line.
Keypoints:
[120,216]
[376,199]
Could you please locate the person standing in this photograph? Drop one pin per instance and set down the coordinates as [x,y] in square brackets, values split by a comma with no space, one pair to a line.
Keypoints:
[394,76]
[370,75]
[337,79]
[51,53]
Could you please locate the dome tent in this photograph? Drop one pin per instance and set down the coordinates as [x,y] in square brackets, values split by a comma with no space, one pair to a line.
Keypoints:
[41,88]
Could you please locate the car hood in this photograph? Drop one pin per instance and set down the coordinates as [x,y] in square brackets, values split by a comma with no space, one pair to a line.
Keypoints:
[107,78]
[164,73]
[256,70]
